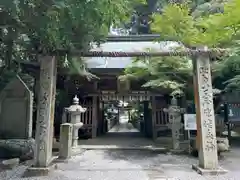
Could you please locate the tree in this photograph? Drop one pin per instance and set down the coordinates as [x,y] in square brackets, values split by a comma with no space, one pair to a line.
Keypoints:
[169,74]
[30,26]
[207,7]
[226,73]
[177,23]
[141,19]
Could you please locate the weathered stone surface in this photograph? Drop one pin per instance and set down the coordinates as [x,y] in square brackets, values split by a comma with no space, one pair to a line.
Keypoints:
[9,163]
[206,127]
[16,101]
[66,141]
[17,148]
[45,111]
[175,124]
[222,146]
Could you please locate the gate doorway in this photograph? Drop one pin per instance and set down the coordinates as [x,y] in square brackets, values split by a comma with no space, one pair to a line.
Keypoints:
[130,120]
[124,120]
[124,113]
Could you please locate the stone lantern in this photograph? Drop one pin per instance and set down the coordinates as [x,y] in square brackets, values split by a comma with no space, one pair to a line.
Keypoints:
[75,112]
[175,124]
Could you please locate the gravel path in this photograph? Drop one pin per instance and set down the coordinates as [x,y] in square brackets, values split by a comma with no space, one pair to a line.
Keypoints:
[129,165]
[123,125]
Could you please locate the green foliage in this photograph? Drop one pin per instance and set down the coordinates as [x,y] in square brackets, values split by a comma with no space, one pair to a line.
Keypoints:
[170,74]
[65,24]
[209,7]
[176,23]
[30,25]
[226,72]
[197,24]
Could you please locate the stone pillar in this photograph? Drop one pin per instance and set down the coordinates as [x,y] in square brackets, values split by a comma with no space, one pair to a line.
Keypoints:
[175,124]
[64,116]
[45,111]
[66,132]
[206,128]
[75,111]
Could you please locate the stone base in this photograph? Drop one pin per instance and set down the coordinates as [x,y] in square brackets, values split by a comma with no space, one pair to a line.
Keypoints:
[202,171]
[39,171]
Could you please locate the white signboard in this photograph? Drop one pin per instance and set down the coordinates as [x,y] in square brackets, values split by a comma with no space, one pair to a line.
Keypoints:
[190,122]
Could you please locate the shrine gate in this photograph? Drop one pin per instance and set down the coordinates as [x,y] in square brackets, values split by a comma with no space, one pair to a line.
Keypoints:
[208,159]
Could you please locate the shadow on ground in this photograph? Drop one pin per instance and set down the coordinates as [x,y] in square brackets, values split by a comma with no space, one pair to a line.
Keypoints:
[119,139]
[134,155]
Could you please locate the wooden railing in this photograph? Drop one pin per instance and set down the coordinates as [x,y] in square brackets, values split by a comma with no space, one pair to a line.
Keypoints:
[161,117]
[86,118]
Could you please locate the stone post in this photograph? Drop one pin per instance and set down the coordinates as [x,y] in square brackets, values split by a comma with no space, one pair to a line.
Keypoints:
[75,111]
[64,116]
[66,132]
[175,122]
[45,111]
[206,128]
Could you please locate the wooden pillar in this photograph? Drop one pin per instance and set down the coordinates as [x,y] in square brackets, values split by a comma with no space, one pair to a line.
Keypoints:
[146,117]
[45,111]
[206,129]
[129,115]
[103,118]
[94,117]
[100,118]
[154,133]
